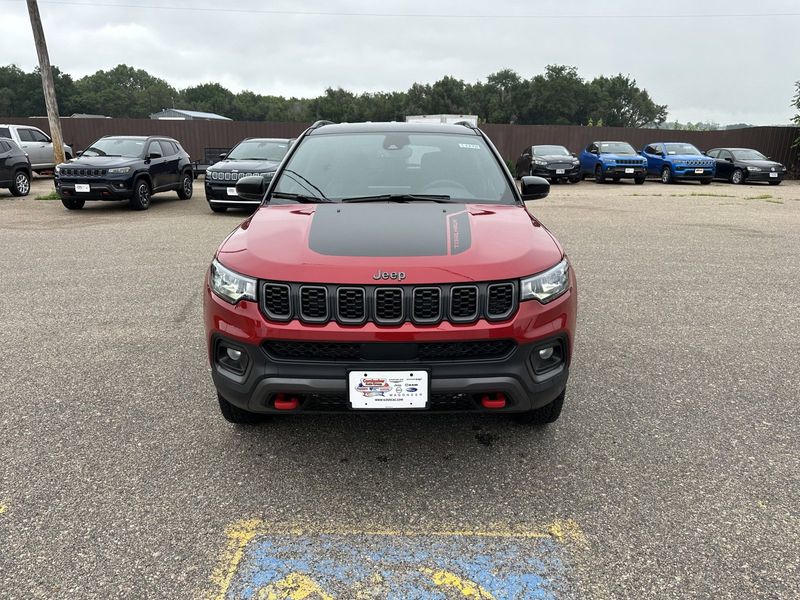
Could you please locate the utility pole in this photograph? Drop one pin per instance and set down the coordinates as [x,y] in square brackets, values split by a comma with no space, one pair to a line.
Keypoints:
[48,86]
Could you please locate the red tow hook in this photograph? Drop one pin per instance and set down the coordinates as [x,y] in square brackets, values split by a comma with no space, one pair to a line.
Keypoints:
[283,403]
[493,401]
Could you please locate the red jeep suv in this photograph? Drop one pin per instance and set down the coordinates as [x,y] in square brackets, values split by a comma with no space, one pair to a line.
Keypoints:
[391,267]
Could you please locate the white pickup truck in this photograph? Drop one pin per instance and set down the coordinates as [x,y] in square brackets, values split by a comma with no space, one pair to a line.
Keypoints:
[36,143]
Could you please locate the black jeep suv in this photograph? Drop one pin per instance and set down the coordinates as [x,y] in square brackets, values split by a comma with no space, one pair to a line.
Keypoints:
[125,168]
[252,156]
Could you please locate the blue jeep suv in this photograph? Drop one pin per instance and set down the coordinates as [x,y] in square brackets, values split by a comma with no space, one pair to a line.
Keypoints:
[612,160]
[673,161]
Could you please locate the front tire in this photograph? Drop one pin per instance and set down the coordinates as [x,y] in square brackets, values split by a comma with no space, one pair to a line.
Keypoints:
[666,175]
[549,413]
[705,181]
[639,180]
[737,177]
[187,186]
[141,195]
[21,185]
[774,182]
[217,208]
[233,414]
[72,204]
[599,176]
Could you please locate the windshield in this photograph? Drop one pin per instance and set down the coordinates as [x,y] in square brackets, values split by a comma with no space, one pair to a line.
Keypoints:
[127,147]
[748,155]
[616,148]
[682,149]
[362,165]
[550,151]
[259,150]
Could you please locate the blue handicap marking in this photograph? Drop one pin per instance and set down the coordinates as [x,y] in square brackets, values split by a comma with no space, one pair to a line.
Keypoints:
[337,565]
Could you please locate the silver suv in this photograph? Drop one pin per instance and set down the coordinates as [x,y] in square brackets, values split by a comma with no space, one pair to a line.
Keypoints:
[36,143]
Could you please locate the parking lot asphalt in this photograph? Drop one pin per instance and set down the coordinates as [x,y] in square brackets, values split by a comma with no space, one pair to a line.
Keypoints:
[674,471]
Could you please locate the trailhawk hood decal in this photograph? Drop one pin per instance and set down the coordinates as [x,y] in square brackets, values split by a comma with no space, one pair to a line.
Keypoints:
[430,243]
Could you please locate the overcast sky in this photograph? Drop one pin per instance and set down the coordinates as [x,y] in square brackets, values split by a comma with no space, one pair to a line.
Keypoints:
[727,69]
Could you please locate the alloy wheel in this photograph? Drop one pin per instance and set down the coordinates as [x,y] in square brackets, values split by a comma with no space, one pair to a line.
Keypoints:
[23,183]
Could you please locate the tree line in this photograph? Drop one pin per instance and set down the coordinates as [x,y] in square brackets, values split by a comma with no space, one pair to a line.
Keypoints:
[559,96]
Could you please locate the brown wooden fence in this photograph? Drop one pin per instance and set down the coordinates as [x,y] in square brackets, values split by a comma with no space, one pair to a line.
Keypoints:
[196,136]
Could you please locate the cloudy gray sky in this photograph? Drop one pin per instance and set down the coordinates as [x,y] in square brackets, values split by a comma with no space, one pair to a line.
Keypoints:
[716,60]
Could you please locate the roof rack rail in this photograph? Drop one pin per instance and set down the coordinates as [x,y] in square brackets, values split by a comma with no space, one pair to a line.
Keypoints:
[466,124]
[321,123]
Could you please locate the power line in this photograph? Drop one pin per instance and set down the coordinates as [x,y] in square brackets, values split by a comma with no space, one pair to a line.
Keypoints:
[381,15]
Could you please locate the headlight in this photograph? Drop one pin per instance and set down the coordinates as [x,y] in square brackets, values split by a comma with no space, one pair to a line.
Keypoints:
[540,162]
[58,169]
[547,286]
[229,285]
[753,168]
[119,170]
[575,161]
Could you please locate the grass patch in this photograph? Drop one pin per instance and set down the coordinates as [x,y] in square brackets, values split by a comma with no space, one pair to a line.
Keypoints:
[712,195]
[50,196]
[774,201]
[761,197]
[644,195]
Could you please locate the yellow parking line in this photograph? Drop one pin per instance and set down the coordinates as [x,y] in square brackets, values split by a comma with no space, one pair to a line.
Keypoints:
[3,508]
[468,589]
[240,533]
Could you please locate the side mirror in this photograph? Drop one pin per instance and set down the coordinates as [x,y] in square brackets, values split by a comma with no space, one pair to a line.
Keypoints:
[729,159]
[534,188]
[222,155]
[573,155]
[79,153]
[252,187]
[152,156]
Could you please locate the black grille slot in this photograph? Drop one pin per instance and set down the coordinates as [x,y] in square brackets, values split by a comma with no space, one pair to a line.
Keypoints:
[438,402]
[314,303]
[351,305]
[426,351]
[427,305]
[464,303]
[464,350]
[389,305]
[314,351]
[277,301]
[500,300]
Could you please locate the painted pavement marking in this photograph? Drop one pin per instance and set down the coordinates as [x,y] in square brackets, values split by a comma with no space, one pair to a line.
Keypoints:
[272,562]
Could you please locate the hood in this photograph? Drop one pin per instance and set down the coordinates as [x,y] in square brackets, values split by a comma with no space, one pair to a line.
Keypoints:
[100,162]
[763,164]
[350,244]
[248,166]
[555,158]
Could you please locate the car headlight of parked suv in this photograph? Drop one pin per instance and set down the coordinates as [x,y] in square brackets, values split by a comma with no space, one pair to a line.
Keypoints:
[231,286]
[547,286]
[119,170]
[540,162]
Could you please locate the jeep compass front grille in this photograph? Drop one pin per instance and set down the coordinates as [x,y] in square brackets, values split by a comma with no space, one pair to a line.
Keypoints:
[389,305]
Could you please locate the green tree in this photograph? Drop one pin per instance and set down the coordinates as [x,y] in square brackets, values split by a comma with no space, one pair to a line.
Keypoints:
[796,104]
[123,92]
[558,97]
[621,103]
[210,97]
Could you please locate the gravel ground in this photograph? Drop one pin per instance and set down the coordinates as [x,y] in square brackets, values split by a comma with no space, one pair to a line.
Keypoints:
[675,466]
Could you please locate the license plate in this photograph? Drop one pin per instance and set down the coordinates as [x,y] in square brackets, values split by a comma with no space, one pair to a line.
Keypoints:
[699,171]
[559,171]
[232,191]
[628,171]
[775,175]
[81,187]
[388,389]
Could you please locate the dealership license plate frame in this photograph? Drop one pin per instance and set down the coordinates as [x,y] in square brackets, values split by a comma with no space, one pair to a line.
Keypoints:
[560,171]
[629,171]
[699,171]
[82,188]
[773,175]
[418,399]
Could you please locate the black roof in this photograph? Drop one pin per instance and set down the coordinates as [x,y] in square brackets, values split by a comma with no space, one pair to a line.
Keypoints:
[392,128]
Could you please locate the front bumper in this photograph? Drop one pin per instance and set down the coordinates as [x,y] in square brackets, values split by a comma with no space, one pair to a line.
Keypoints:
[217,194]
[625,171]
[552,173]
[121,189]
[692,173]
[457,384]
[764,176]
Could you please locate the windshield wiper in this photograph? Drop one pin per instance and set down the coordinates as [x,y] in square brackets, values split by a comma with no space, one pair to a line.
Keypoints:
[442,198]
[299,198]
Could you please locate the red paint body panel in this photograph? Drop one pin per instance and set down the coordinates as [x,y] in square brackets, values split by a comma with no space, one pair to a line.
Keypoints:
[506,244]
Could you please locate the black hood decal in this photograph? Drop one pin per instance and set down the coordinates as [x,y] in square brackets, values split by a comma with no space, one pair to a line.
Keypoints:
[390,229]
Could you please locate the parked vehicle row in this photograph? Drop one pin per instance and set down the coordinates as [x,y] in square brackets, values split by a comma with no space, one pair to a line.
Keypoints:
[36,143]
[668,161]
